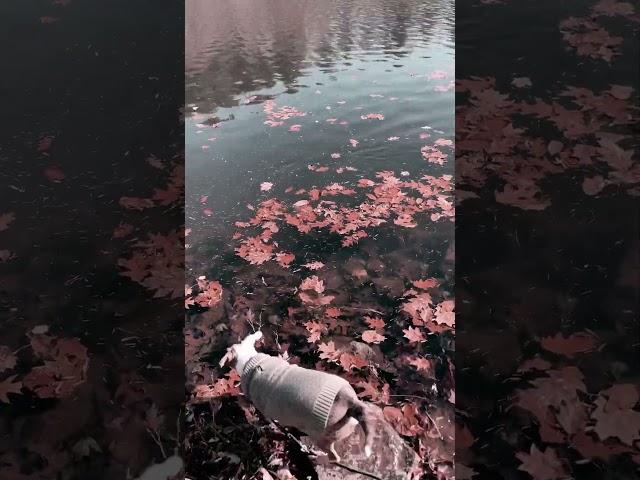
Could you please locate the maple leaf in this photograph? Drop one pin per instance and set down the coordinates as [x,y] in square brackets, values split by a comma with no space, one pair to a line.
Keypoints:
[593,185]
[44,143]
[64,368]
[285,259]
[372,116]
[371,336]
[405,220]
[419,307]
[295,128]
[405,420]
[376,323]
[8,386]
[255,251]
[210,293]
[134,203]
[445,314]
[6,219]
[7,358]
[422,364]
[328,351]
[312,283]
[426,284]
[369,390]
[266,186]
[614,415]
[333,312]
[354,142]
[570,346]
[542,465]
[521,82]
[122,230]
[414,335]
[443,142]
[316,329]
[349,361]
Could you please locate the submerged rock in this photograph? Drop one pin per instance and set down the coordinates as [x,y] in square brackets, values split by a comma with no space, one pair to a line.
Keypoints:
[392,457]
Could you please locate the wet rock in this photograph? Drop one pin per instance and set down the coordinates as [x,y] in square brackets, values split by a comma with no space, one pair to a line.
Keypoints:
[355,267]
[392,457]
[375,265]
[393,286]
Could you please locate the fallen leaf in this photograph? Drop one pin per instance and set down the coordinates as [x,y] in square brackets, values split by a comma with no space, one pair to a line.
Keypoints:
[414,335]
[371,336]
[542,465]
[6,219]
[570,346]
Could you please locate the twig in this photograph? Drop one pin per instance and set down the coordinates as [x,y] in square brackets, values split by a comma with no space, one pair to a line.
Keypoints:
[156,438]
[363,310]
[356,470]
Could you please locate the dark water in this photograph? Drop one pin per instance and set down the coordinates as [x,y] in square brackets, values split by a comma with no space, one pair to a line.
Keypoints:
[330,60]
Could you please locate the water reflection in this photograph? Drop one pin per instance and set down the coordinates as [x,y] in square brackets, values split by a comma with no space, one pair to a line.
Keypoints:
[236,47]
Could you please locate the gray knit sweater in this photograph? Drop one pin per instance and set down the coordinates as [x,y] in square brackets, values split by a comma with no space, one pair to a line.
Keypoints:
[294,396]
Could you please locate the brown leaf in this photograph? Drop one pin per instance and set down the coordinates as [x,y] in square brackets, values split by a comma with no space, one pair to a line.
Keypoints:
[8,386]
[614,414]
[6,219]
[570,346]
[7,358]
[542,465]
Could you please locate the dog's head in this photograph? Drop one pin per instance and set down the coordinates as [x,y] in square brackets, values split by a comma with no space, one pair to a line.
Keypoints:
[240,353]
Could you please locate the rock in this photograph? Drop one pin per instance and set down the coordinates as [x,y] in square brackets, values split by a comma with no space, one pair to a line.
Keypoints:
[392,457]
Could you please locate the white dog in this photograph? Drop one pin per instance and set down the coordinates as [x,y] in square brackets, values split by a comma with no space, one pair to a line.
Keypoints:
[320,404]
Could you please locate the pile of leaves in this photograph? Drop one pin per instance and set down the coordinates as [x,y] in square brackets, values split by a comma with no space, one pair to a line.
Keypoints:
[387,326]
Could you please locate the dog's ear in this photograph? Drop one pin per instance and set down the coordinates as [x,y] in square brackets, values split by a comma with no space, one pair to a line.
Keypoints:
[254,337]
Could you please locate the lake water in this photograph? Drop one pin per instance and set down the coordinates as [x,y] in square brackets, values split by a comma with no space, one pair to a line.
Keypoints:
[340,116]
[338,60]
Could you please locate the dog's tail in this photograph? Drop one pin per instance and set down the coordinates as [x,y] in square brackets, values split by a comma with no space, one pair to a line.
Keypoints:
[363,414]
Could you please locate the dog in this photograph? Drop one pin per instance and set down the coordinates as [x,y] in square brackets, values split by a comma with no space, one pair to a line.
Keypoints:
[322,405]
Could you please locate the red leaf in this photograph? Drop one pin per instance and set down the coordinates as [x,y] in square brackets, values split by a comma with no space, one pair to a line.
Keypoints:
[285,259]
[445,314]
[350,361]
[570,346]
[542,465]
[426,284]
[422,364]
[328,351]
[375,322]
[414,335]
[7,358]
[8,386]
[5,220]
[312,283]
[371,336]
[55,174]
[134,203]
